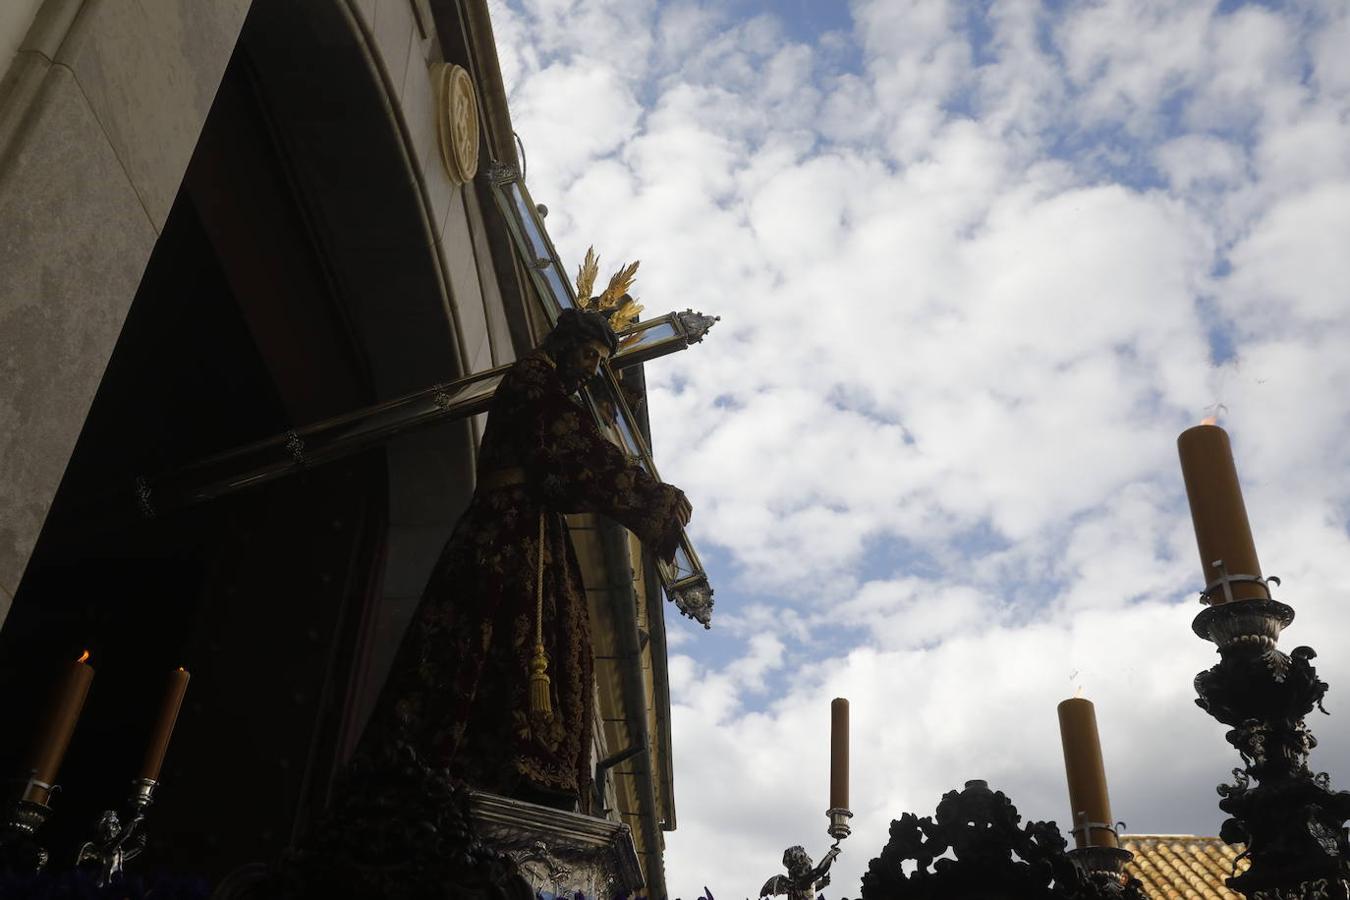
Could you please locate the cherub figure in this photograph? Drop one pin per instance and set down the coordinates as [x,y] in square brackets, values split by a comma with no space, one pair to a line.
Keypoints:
[113,846]
[802,881]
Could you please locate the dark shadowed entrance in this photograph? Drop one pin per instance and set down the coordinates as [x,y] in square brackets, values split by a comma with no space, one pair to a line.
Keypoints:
[260,310]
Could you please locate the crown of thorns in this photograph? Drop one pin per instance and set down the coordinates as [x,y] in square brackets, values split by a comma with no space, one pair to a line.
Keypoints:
[585,325]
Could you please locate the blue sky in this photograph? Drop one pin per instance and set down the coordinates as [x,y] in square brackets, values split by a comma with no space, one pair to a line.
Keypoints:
[977,266]
[803,20]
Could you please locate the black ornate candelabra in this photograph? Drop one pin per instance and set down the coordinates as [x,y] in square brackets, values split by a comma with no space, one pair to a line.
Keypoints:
[975,847]
[1290,819]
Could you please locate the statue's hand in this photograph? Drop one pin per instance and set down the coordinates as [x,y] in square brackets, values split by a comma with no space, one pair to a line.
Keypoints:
[684,510]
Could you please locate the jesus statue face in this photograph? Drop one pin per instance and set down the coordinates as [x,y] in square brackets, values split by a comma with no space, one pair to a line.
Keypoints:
[592,353]
[581,363]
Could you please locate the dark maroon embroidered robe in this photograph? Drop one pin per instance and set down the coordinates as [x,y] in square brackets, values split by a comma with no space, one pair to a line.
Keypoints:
[458,691]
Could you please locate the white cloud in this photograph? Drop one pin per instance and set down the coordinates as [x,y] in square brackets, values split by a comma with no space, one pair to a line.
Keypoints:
[1292,272]
[968,281]
[1195,163]
[1331,65]
[1128,57]
[587,102]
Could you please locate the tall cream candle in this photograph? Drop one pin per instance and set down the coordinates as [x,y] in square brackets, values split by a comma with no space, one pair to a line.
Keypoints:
[164,722]
[839,753]
[63,713]
[1088,800]
[1222,531]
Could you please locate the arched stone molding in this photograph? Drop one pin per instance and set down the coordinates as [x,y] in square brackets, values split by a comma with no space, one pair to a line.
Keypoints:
[403,256]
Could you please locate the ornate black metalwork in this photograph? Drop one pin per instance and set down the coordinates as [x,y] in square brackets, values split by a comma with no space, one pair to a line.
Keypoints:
[1292,822]
[974,848]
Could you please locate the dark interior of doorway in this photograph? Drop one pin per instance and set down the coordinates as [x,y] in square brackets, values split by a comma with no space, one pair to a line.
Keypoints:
[259,595]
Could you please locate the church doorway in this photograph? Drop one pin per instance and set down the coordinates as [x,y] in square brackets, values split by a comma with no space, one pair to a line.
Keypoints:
[251,319]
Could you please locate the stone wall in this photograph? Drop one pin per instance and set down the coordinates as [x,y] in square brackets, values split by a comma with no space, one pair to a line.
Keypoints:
[99,113]
[16,17]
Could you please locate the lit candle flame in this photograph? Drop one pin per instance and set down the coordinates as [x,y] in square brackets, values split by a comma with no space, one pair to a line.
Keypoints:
[1210,420]
[1078,693]
[84,657]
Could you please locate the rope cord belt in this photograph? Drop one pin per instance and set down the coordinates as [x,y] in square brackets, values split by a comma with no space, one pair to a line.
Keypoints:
[539,682]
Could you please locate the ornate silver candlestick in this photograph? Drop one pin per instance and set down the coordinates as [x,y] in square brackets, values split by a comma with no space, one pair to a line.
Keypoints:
[115,843]
[20,850]
[838,824]
[804,880]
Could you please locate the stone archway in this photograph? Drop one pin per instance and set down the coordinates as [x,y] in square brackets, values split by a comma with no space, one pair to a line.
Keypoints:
[298,274]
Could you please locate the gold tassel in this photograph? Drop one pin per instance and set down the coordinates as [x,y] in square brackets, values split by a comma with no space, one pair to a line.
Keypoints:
[540,702]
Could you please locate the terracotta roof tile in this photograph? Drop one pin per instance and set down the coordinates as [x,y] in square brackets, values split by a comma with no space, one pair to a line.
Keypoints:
[1182,866]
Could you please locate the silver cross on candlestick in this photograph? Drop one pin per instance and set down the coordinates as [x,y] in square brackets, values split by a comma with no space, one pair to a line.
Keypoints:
[803,880]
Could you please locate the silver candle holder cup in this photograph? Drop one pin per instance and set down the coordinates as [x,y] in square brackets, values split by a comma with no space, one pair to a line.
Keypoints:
[20,850]
[838,827]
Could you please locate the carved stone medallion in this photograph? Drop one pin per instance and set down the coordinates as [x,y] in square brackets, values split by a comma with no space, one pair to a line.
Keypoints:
[456,122]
